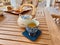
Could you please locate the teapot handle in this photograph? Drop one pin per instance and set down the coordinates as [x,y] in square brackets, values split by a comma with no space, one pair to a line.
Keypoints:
[34,9]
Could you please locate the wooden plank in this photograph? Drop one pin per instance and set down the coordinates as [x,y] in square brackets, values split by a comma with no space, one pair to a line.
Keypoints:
[22,39]
[53,29]
[7,42]
[43,36]
[12,29]
[12,26]
[21,30]
[50,42]
[15,24]
[43,32]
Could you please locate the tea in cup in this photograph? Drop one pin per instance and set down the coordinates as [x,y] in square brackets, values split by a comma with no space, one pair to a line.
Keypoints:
[32,28]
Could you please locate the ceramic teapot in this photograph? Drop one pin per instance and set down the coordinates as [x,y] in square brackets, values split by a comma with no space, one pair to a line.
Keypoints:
[24,20]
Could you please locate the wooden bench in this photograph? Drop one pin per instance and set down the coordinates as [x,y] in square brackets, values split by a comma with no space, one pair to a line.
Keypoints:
[11,33]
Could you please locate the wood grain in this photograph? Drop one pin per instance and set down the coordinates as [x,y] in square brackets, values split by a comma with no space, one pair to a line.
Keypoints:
[53,29]
[11,33]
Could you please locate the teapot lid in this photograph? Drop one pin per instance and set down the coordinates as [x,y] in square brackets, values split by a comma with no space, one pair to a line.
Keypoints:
[26,16]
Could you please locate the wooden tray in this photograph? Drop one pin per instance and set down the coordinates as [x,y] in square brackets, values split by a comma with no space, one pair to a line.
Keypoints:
[17,13]
[13,12]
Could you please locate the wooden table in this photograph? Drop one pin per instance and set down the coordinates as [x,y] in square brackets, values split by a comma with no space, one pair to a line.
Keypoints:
[11,33]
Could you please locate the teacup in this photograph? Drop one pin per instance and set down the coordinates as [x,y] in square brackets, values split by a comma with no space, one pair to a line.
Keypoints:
[32,29]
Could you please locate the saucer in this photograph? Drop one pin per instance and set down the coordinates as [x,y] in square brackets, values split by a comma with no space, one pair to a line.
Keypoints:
[32,38]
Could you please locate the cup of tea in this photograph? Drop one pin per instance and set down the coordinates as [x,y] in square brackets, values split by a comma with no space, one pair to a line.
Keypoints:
[31,31]
[32,28]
